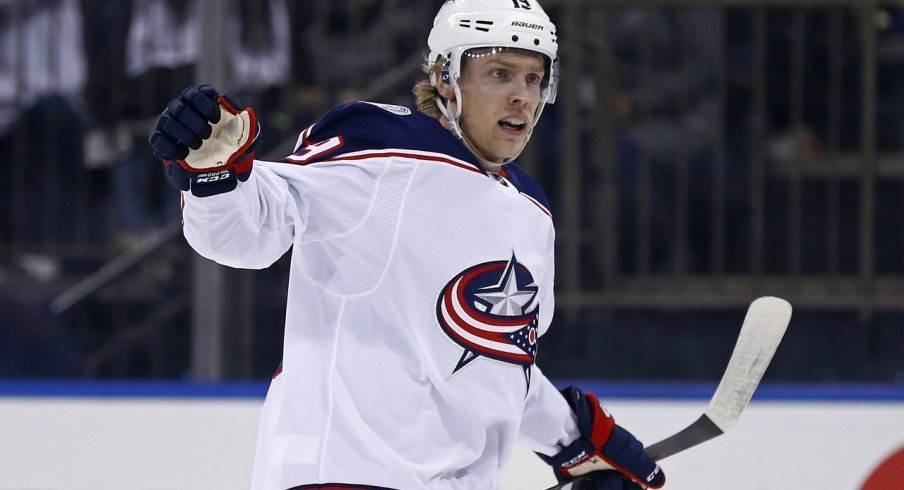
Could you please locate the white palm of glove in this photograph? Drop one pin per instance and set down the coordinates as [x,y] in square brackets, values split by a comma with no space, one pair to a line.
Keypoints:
[227,136]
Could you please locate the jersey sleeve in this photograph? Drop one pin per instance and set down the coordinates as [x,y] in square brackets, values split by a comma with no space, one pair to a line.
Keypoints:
[311,197]
[357,127]
[254,225]
[547,424]
[547,294]
[528,187]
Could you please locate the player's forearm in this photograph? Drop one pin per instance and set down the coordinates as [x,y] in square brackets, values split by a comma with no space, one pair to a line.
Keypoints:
[241,228]
[548,423]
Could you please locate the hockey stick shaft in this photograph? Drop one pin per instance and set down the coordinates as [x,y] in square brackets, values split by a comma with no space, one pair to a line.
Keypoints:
[761,333]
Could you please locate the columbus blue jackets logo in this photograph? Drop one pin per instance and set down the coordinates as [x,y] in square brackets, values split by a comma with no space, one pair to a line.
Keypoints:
[491,310]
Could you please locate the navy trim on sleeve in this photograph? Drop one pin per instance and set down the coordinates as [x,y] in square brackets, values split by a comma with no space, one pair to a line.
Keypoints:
[526,184]
[359,126]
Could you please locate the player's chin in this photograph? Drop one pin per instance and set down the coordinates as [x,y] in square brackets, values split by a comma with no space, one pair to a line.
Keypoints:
[514,146]
[505,147]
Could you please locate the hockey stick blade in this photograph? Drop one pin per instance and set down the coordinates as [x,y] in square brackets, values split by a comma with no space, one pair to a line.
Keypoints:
[761,333]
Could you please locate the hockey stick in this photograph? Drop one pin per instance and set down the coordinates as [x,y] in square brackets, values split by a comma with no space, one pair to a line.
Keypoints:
[762,331]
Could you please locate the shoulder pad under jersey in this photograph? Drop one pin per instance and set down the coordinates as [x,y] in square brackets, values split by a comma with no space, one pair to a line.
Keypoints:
[361,126]
[526,184]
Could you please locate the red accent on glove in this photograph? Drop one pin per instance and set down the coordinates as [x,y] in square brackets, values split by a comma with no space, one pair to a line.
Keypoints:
[603,421]
[242,160]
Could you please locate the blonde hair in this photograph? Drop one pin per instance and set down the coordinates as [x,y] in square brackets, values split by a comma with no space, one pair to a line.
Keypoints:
[425,93]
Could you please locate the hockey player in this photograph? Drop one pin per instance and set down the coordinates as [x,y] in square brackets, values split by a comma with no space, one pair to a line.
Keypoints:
[421,276]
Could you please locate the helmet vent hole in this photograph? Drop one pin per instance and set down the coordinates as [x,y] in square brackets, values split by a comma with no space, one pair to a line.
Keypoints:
[536,42]
[514,39]
[466,23]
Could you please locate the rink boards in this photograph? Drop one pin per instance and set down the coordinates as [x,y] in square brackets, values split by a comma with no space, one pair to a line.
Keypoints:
[96,436]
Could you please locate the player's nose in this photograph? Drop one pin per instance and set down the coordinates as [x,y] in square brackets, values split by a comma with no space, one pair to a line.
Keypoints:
[516,99]
[519,92]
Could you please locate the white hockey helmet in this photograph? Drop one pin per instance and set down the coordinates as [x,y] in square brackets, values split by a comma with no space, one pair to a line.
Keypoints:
[462,25]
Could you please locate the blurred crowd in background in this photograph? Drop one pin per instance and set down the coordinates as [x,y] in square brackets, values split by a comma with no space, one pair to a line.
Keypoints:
[81,82]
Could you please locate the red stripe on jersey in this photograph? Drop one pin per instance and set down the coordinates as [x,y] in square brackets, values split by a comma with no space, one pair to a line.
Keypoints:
[498,337]
[430,158]
[415,156]
[484,350]
[537,203]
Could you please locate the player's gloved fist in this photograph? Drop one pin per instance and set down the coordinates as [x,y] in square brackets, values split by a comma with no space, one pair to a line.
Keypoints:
[605,480]
[206,141]
[603,445]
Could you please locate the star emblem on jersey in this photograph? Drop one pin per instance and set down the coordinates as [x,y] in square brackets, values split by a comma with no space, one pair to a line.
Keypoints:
[491,310]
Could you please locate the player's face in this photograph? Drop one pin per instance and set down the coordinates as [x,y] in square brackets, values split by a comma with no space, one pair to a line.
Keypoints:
[500,94]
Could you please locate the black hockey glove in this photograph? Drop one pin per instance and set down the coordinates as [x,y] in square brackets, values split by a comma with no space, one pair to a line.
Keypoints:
[605,480]
[206,141]
[602,446]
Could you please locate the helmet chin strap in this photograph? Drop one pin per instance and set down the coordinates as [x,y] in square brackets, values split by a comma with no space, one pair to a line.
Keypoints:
[455,127]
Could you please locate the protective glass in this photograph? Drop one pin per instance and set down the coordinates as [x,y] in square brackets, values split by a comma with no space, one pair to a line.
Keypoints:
[510,72]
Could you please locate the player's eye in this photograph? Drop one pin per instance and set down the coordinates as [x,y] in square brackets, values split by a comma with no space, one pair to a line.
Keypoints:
[499,74]
[533,79]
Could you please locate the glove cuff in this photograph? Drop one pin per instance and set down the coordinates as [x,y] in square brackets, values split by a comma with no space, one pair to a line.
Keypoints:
[209,182]
[578,458]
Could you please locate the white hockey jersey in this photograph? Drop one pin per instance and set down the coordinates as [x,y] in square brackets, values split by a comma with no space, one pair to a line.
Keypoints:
[419,288]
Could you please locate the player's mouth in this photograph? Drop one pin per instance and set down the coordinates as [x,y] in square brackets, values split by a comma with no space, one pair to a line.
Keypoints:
[512,125]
